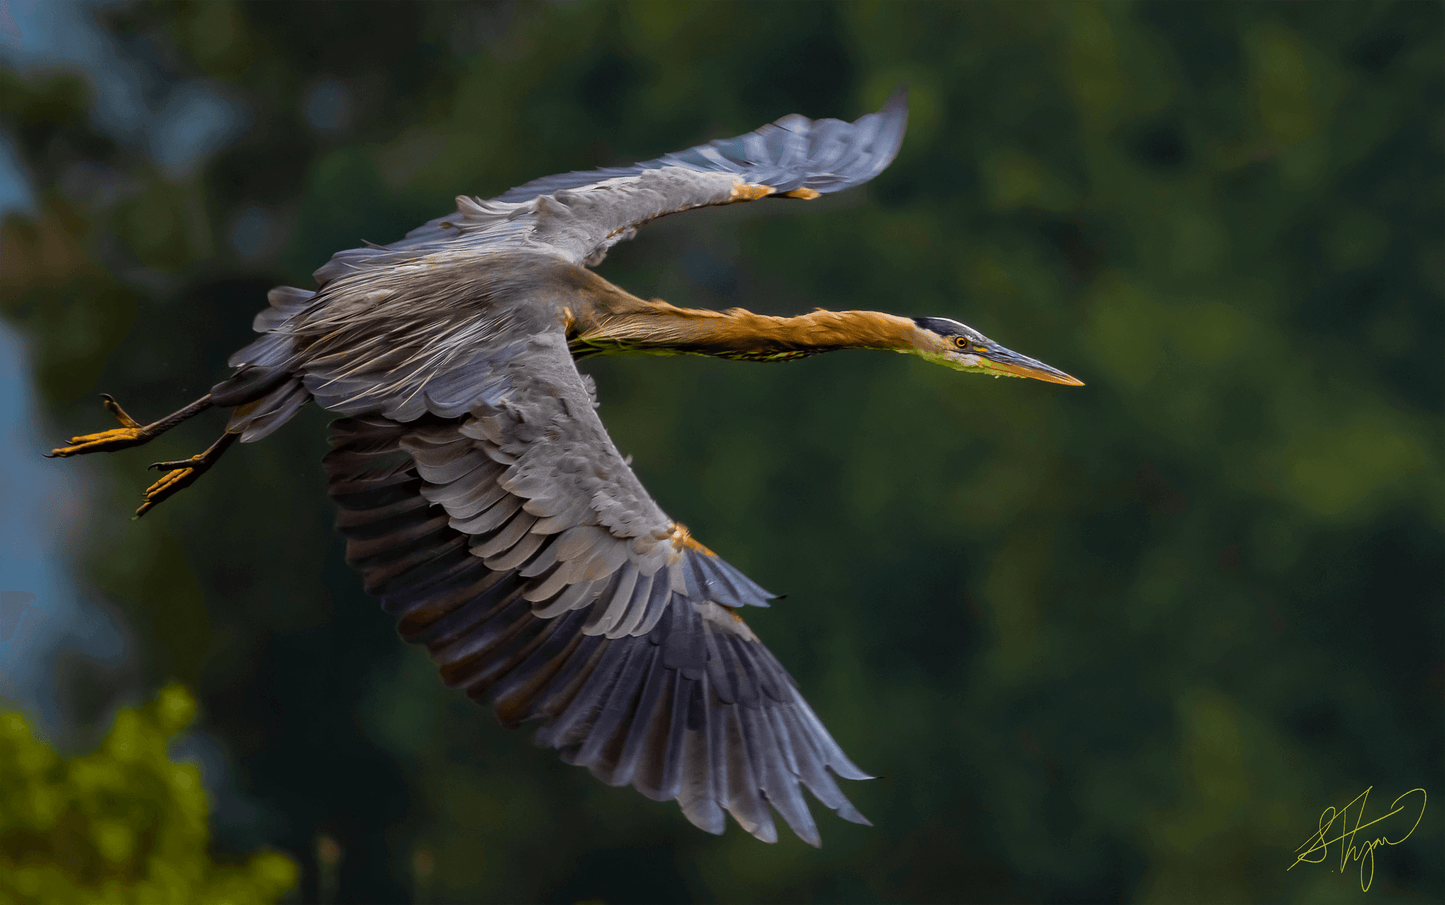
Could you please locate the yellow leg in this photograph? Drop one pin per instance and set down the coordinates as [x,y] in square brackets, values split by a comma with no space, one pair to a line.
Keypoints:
[182,473]
[130,433]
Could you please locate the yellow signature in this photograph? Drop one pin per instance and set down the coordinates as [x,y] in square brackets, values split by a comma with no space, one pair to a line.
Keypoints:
[1364,852]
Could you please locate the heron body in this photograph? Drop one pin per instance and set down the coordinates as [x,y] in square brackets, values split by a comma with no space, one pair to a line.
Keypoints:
[487,508]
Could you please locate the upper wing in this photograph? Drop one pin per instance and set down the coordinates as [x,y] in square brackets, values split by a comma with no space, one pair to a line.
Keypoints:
[517,545]
[578,216]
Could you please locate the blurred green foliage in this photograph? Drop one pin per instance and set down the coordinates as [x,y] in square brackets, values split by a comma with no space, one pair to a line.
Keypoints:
[123,824]
[1120,642]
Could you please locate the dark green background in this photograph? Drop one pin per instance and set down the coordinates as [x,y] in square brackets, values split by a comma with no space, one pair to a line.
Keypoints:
[1118,642]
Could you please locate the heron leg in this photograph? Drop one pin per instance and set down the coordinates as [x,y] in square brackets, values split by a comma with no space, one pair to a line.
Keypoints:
[130,433]
[182,473]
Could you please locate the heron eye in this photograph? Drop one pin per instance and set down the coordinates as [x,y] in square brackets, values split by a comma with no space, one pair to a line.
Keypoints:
[961,342]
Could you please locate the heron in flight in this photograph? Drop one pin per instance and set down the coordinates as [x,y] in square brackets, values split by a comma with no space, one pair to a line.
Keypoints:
[485,505]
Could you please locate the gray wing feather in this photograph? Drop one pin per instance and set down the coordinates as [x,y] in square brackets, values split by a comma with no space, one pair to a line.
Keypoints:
[825,155]
[578,216]
[603,625]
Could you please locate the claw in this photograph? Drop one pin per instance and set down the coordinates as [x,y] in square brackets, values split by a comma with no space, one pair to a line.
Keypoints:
[120,415]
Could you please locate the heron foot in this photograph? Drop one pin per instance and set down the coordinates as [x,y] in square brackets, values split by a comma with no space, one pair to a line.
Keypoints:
[182,473]
[130,433]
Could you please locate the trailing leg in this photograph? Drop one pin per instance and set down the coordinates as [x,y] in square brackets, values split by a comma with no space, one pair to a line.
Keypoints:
[130,433]
[179,474]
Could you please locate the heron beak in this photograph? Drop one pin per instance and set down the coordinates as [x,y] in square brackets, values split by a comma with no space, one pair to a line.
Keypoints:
[996,360]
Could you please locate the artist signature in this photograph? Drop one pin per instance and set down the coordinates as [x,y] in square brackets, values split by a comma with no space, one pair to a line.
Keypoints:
[1364,852]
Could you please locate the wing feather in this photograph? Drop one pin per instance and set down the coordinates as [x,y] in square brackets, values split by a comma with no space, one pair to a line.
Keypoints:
[525,555]
[578,216]
[636,609]
[648,727]
[520,552]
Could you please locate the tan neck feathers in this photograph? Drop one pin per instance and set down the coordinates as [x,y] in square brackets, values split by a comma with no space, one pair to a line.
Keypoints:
[621,322]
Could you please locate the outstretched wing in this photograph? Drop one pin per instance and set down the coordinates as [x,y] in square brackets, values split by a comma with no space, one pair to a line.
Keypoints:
[794,154]
[516,544]
[578,216]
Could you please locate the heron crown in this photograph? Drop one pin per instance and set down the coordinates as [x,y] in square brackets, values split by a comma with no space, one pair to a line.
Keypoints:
[947,328]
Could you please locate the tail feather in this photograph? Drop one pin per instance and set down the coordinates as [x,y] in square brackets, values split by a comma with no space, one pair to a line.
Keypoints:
[265,392]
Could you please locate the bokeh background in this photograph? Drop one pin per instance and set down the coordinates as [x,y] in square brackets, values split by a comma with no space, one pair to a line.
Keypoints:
[1123,642]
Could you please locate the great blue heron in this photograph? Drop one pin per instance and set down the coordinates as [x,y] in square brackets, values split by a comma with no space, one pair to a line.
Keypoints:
[487,508]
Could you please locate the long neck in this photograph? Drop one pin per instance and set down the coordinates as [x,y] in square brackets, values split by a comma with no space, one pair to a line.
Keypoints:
[615,322]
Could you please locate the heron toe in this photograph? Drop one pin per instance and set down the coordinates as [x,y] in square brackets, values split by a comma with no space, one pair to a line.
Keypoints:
[104,441]
[170,484]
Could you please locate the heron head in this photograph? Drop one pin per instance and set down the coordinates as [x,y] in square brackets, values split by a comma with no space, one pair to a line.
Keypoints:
[959,346]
